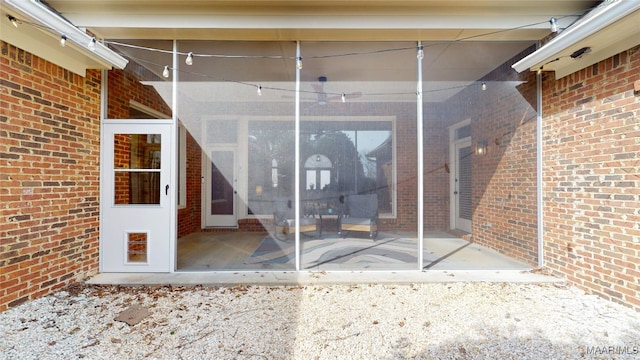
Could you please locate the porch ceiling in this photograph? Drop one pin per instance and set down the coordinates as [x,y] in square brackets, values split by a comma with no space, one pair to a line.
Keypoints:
[496,30]
[318,20]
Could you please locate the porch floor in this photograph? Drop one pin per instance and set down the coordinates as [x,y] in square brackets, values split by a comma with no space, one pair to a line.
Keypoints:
[220,258]
[207,251]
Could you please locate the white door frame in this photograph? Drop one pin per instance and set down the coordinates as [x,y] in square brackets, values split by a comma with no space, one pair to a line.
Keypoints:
[156,221]
[455,222]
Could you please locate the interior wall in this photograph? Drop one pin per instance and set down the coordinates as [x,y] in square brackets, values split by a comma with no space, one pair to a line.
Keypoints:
[592,177]
[406,217]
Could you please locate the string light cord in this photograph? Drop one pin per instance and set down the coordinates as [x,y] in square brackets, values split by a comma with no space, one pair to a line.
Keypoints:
[285,90]
[18,22]
[191,55]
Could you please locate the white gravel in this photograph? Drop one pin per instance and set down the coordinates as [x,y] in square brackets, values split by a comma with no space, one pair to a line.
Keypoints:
[421,321]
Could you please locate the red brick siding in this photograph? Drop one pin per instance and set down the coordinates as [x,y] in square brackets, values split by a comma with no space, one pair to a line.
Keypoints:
[49,176]
[189,217]
[504,180]
[124,86]
[592,177]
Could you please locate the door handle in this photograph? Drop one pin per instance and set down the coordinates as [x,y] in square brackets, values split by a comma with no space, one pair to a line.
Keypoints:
[166,190]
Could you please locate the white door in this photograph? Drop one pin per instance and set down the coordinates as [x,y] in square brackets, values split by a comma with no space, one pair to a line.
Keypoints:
[220,193]
[462,194]
[136,216]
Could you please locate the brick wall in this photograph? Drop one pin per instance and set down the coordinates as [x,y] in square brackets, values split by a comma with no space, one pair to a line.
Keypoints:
[49,176]
[504,180]
[125,85]
[592,177]
[189,217]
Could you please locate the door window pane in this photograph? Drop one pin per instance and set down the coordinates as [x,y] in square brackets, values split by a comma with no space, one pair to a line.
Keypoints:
[222,179]
[137,168]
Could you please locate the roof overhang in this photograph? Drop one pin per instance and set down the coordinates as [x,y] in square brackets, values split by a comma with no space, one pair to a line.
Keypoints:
[321,20]
[609,29]
[40,34]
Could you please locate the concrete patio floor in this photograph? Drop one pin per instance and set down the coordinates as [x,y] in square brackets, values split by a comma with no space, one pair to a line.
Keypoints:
[446,259]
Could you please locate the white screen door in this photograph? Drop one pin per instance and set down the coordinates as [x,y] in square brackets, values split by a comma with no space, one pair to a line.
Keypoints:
[463,185]
[135,229]
[220,188]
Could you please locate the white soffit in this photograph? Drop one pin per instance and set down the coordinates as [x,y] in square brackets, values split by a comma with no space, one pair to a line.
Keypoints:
[609,29]
[355,20]
[40,33]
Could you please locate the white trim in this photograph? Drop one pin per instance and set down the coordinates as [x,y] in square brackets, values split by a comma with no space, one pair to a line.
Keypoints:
[52,23]
[598,19]
[147,110]
[539,172]
[296,187]
[182,165]
[419,110]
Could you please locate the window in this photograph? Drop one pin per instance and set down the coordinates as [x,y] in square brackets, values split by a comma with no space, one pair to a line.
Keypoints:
[337,156]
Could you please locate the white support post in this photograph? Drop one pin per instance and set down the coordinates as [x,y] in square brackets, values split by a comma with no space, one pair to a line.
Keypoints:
[297,160]
[420,160]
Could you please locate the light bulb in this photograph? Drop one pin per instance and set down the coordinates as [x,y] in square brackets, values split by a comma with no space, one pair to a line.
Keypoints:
[484,86]
[554,25]
[13,20]
[63,40]
[165,72]
[259,90]
[189,60]
[344,97]
[420,52]
[299,63]
[92,44]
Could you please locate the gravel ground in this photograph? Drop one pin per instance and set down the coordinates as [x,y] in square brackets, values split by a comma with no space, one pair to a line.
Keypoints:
[419,321]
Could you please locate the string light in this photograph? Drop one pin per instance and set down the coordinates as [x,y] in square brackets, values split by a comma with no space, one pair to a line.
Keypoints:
[420,51]
[92,44]
[344,97]
[554,25]
[13,20]
[259,90]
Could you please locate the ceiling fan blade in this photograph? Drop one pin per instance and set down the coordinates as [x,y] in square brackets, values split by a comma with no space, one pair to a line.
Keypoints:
[347,96]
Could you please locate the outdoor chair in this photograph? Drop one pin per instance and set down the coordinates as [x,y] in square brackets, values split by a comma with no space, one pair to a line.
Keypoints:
[361,215]
[285,221]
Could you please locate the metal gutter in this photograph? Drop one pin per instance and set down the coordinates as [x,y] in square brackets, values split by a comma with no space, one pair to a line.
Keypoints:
[604,15]
[49,21]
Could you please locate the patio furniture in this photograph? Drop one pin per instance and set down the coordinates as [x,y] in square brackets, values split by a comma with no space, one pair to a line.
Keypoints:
[361,215]
[285,221]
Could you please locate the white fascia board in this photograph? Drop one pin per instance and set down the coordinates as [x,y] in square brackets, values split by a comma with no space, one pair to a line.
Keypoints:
[49,21]
[604,15]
